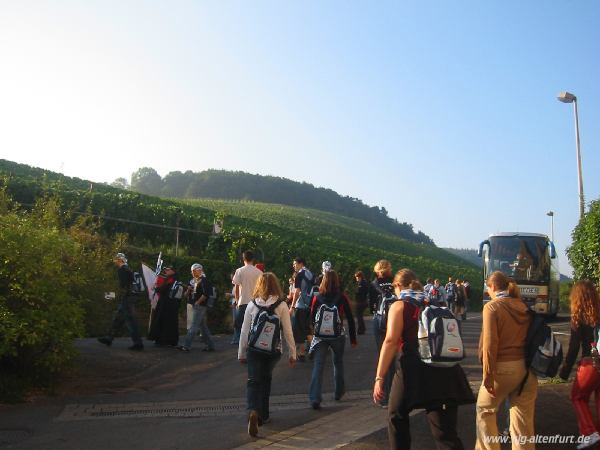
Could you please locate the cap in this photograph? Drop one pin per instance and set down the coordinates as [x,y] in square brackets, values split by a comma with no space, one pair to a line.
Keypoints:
[121,256]
[196,266]
[260,266]
[326,266]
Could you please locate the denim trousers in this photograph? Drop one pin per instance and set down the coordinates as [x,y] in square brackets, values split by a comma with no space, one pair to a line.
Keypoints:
[199,323]
[389,376]
[319,356]
[260,370]
[125,313]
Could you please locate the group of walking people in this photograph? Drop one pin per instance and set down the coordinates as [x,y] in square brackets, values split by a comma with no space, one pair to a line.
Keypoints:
[311,322]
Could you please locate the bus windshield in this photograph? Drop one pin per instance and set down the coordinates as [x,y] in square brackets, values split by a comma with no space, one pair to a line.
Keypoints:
[525,258]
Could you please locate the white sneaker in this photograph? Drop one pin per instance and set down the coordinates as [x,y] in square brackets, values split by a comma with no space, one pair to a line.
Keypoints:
[591,440]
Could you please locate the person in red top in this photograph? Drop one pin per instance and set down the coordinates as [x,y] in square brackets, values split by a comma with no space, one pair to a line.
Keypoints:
[416,385]
[164,327]
[330,299]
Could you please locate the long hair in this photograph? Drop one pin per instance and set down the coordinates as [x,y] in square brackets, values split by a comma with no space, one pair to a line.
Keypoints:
[267,286]
[407,279]
[585,304]
[500,282]
[330,284]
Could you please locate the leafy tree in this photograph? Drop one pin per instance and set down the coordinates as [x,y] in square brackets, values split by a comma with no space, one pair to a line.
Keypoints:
[147,181]
[584,253]
[47,275]
[120,183]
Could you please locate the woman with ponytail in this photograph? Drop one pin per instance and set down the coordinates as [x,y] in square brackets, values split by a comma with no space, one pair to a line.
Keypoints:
[585,317]
[416,385]
[506,320]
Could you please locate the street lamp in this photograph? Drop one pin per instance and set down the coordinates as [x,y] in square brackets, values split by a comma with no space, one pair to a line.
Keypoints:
[567,97]
[551,214]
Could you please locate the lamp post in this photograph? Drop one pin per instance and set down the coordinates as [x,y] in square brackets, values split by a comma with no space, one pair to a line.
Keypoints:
[567,97]
[551,214]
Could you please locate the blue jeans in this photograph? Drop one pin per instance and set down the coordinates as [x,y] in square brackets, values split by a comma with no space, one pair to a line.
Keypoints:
[389,376]
[126,313]
[199,323]
[319,355]
[260,371]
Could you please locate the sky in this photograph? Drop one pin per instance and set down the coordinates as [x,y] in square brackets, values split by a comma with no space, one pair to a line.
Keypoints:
[445,113]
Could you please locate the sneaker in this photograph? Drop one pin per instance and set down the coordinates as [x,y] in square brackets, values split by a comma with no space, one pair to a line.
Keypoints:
[207,349]
[590,440]
[253,423]
[339,397]
[262,422]
[183,348]
[301,358]
[136,347]
[316,405]
[105,340]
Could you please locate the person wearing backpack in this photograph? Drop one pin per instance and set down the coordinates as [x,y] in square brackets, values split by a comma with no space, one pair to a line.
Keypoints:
[451,294]
[585,327]
[379,289]
[198,298]
[502,352]
[436,294]
[417,385]
[328,310]
[266,320]
[164,329]
[303,285]
[125,311]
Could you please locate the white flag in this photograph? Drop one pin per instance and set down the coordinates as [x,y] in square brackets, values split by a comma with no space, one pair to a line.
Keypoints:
[150,279]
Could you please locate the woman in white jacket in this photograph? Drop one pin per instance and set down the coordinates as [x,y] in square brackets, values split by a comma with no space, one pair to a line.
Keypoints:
[263,351]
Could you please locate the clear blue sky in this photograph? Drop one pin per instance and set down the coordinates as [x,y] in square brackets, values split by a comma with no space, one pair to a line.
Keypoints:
[443,112]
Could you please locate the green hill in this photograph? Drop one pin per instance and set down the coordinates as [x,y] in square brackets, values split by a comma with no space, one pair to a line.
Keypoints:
[278,233]
[228,185]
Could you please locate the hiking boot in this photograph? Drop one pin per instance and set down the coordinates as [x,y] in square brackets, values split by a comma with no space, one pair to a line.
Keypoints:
[253,423]
[136,347]
[105,340]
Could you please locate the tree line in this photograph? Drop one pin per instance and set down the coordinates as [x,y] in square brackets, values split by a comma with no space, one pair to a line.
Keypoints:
[222,184]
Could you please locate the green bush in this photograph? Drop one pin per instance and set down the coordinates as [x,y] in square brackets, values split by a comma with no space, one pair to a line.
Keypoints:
[47,274]
[584,254]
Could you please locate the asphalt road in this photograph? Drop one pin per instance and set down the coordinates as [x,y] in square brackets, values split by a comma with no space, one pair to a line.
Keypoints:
[165,399]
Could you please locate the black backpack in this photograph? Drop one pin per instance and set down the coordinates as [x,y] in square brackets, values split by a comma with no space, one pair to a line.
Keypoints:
[387,299]
[543,352]
[450,291]
[328,323]
[265,331]
[137,283]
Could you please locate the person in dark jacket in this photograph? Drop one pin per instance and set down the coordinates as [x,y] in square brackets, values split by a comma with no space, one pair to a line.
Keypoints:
[360,297]
[416,385]
[381,286]
[164,329]
[125,312]
[330,295]
[585,317]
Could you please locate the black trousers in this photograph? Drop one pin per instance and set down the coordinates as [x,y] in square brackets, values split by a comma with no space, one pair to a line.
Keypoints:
[359,312]
[442,421]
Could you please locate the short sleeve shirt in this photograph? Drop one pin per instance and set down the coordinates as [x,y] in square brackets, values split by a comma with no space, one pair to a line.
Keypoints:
[246,277]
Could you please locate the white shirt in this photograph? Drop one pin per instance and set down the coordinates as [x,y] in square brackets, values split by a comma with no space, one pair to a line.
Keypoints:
[282,311]
[246,277]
